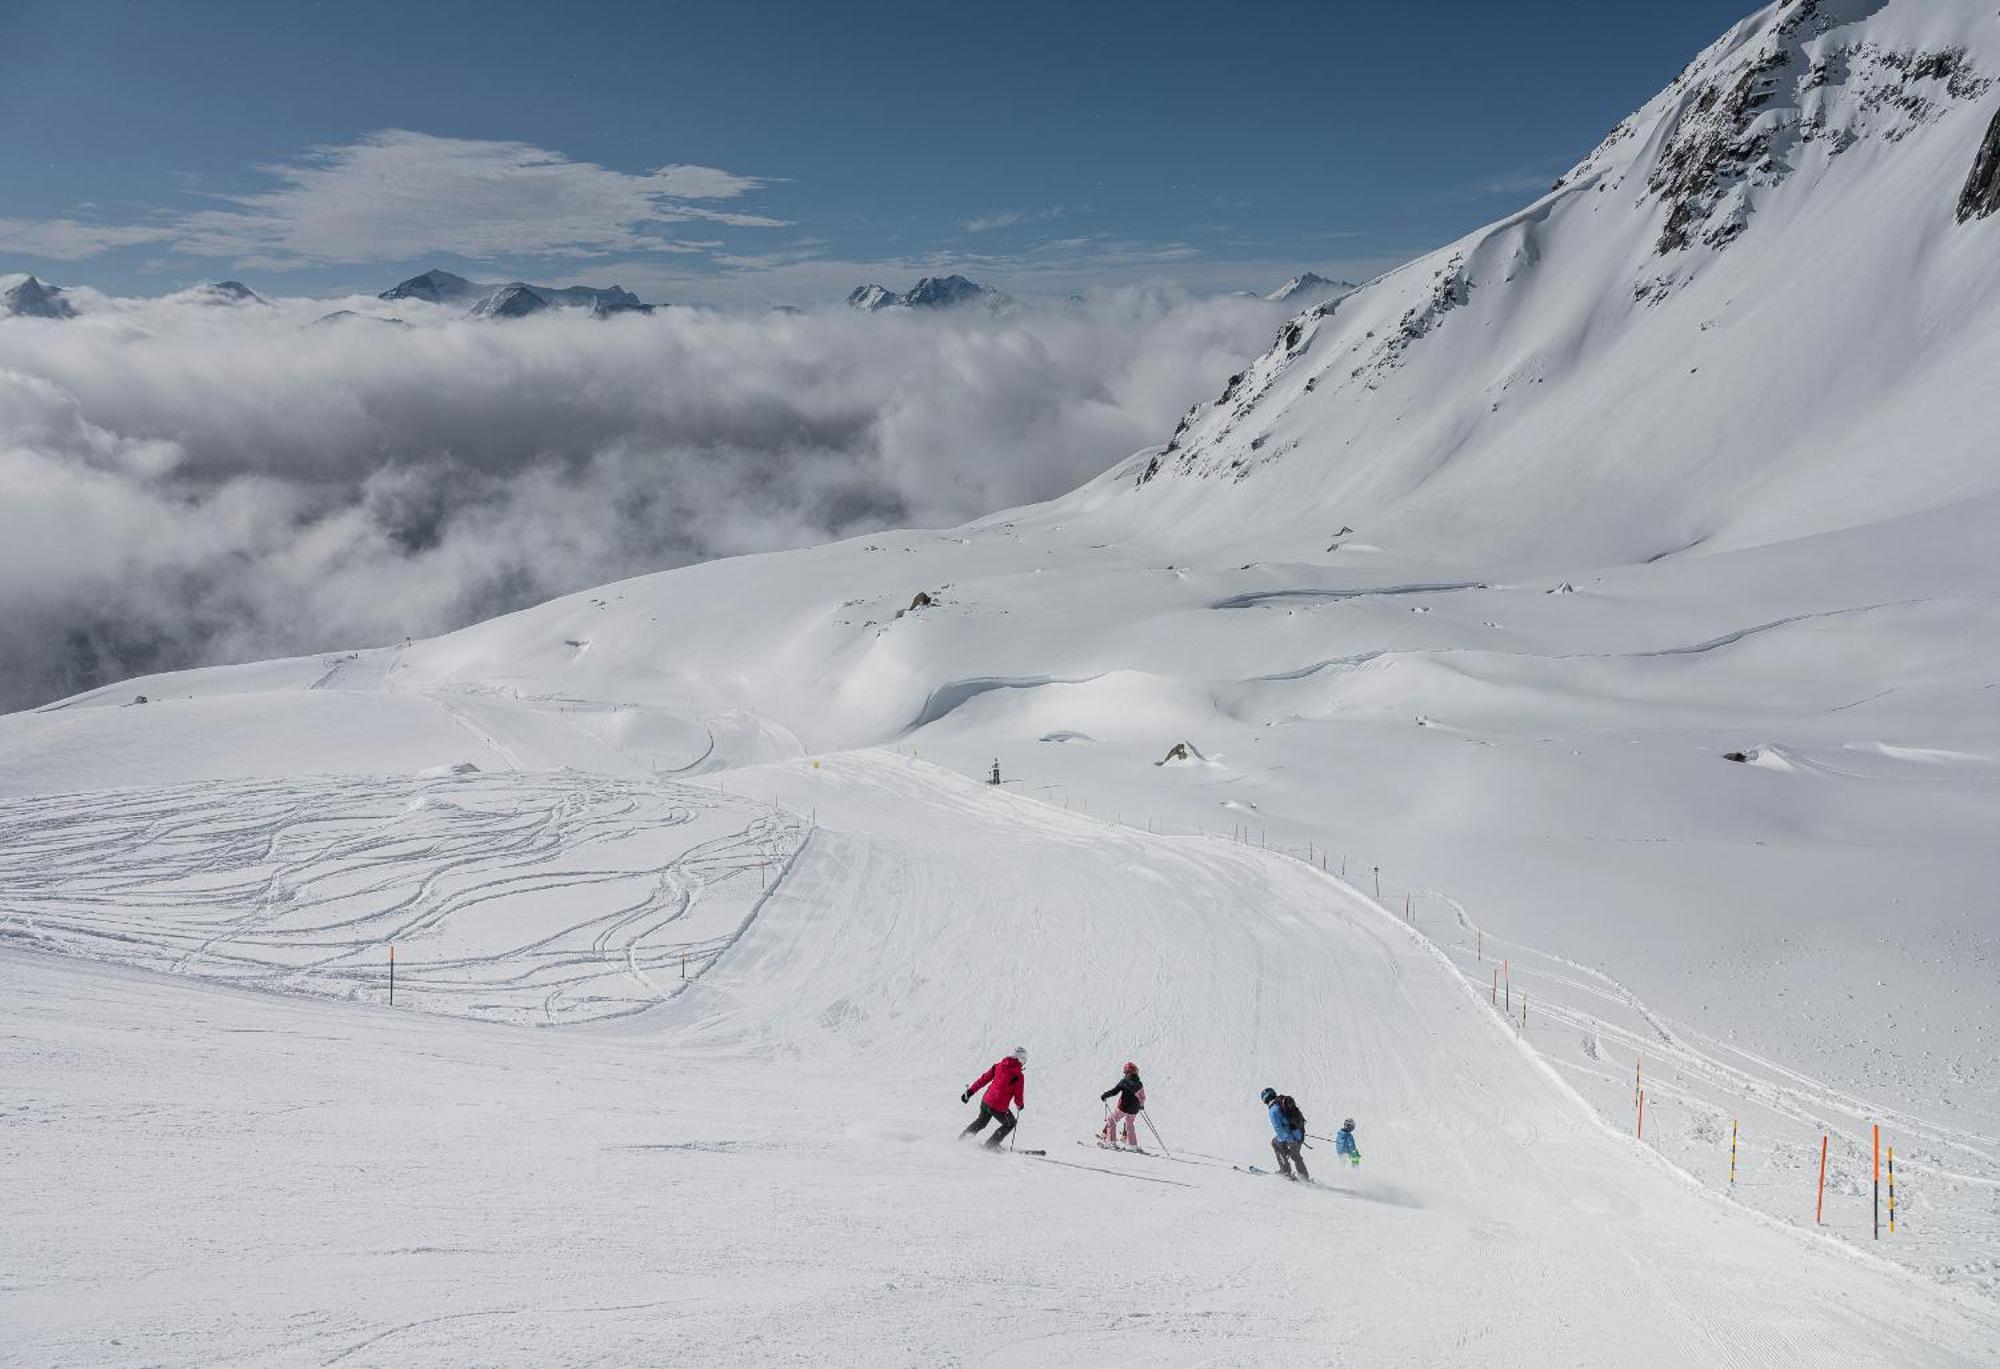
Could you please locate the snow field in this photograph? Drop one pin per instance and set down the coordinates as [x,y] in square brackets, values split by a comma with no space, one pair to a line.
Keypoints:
[758,1170]
[533,898]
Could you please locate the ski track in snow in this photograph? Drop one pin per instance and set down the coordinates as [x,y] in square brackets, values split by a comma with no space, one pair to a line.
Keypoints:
[526,898]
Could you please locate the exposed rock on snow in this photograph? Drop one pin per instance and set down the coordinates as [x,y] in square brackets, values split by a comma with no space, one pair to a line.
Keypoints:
[33,299]
[1743,113]
[1981,195]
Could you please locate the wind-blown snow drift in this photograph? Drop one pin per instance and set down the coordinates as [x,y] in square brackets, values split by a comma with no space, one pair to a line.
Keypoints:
[190,483]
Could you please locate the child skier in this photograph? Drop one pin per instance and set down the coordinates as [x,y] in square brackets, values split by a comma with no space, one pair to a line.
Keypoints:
[1343,1142]
[1006,1083]
[1288,1133]
[1131,1102]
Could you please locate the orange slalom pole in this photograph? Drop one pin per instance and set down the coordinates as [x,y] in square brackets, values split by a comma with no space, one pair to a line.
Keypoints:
[1819,1207]
[1642,1115]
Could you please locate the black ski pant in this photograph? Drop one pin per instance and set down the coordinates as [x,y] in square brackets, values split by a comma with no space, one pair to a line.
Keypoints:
[1289,1155]
[987,1114]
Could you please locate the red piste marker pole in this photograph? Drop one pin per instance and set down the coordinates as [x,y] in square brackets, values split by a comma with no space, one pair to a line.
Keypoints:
[1819,1208]
[392,976]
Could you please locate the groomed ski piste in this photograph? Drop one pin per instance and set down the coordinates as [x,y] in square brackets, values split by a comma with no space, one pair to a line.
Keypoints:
[761,1169]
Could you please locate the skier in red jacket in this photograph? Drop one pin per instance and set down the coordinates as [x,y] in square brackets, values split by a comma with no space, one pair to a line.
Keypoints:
[1006,1086]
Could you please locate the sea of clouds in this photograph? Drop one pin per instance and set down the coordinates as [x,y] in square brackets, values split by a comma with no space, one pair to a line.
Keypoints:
[184,482]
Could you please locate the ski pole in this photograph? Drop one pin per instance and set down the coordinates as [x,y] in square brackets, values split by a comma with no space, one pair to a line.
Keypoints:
[1156,1132]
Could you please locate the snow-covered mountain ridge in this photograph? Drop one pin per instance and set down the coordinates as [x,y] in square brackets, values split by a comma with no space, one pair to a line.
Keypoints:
[1722,326]
[1610,595]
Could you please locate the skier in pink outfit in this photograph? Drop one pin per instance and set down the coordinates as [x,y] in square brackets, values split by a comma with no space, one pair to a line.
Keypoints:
[1131,1102]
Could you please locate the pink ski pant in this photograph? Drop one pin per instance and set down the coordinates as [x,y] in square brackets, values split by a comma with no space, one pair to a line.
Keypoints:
[1111,1128]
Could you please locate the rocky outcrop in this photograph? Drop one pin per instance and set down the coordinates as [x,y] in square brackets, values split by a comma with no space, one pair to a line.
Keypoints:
[1981,195]
[1743,122]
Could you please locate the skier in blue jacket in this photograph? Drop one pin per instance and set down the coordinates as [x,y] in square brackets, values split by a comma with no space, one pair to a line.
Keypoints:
[1288,1133]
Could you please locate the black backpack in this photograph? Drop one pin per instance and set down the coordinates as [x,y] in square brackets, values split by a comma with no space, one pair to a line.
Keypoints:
[1289,1110]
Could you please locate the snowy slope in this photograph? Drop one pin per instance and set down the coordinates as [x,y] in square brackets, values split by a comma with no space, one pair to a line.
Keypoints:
[1475,580]
[762,1173]
[1753,314]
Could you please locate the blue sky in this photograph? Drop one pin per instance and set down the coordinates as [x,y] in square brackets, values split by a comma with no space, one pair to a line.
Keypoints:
[741,152]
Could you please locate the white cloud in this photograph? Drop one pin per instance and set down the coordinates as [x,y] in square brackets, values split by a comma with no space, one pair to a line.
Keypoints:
[189,484]
[394,195]
[986,223]
[71,239]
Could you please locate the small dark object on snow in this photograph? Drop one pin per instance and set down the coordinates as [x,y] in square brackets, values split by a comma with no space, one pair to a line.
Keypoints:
[1740,757]
[139,698]
[923,600]
[1181,751]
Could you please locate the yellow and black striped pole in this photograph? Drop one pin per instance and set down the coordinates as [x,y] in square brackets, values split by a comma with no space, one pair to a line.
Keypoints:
[1892,1190]
[1732,1157]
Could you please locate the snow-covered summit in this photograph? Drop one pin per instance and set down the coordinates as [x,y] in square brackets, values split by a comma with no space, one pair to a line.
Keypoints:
[869,298]
[34,299]
[436,287]
[514,300]
[1764,306]
[1310,288]
[932,292]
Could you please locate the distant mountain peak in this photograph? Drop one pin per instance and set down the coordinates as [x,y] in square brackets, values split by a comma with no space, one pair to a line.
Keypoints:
[869,298]
[931,292]
[228,292]
[33,299]
[436,287]
[1309,283]
[513,300]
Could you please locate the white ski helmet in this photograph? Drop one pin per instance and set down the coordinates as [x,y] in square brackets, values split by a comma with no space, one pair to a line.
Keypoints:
[1020,1053]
